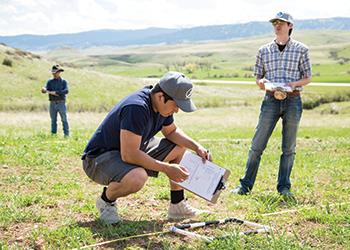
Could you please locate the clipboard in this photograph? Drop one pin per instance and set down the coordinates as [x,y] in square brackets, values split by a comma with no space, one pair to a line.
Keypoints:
[272,86]
[205,180]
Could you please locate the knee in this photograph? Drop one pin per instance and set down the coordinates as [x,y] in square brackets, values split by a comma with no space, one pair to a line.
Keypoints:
[139,177]
[288,152]
[63,118]
[179,151]
[256,151]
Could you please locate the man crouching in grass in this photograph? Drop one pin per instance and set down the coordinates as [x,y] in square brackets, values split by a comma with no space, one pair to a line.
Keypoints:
[123,151]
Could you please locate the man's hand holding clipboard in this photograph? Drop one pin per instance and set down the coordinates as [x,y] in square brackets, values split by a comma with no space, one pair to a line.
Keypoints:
[206,179]
[177,172]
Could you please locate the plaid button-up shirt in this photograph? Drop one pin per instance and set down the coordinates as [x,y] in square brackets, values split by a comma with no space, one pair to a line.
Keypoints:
[290,65]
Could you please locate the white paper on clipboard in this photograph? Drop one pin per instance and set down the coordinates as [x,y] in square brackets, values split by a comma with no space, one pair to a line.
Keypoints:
[272,86]
[203,178]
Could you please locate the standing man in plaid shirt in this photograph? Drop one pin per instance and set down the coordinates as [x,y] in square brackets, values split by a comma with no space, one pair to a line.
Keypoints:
[286,61]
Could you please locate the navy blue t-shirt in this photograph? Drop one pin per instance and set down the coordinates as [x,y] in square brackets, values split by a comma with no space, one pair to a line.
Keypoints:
[134,113]
[60,86]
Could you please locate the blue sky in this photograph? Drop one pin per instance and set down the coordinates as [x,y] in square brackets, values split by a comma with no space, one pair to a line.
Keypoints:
[69,16]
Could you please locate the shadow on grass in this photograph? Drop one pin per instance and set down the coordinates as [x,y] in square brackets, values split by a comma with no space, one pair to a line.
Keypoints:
[126,232]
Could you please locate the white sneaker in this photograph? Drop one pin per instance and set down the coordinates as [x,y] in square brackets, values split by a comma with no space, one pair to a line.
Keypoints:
[183,210]
[108,211]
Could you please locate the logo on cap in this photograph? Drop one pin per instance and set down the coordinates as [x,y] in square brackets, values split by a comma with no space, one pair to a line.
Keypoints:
[189,93]
[280,14]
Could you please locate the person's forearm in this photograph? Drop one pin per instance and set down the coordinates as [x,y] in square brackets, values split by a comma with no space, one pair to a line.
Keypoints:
[301,82]
[52,93]
[140,158]
[180,138]
[62,92]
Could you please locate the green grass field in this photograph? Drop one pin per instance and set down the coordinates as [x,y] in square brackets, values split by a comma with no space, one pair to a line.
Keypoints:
[47,202]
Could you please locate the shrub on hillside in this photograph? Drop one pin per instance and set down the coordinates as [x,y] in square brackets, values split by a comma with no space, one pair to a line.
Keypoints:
[9,52]
[27,54]
[248,68]
[7,62]
[190,68]
[21,53]
[311,103]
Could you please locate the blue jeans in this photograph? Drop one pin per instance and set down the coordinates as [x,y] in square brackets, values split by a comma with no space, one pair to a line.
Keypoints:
[59,107]
[290,110]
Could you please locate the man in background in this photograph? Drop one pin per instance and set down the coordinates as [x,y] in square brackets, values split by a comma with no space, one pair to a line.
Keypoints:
[57,88]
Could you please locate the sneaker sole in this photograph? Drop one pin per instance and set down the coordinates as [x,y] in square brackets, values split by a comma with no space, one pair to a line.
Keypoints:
[174,217]
[177,217]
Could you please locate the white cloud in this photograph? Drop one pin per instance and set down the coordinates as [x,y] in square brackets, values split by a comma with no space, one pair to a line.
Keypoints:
[67,16]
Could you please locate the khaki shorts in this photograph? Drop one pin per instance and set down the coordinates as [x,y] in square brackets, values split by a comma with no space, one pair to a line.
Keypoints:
[109,166]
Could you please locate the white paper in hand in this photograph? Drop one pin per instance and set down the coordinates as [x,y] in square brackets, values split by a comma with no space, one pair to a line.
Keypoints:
[272,86]
[203,177]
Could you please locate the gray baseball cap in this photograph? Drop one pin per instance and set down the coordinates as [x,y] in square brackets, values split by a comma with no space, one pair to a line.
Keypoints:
[179,87]
[283,16]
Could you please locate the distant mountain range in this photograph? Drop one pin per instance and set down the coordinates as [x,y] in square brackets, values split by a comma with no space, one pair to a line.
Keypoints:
[121,38]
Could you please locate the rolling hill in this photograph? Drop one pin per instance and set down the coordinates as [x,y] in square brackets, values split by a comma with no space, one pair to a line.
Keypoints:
[121,38]
[227,59]
[22,79]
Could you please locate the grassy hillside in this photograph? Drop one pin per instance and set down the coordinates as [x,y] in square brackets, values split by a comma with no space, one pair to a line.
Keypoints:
[92,90]
[329,51]
[20,84]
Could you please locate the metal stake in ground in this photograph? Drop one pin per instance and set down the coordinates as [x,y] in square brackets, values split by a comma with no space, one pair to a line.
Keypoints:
[223,221]
[179,229]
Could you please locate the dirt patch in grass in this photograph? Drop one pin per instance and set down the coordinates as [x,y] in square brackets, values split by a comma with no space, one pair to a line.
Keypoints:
[18,234]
